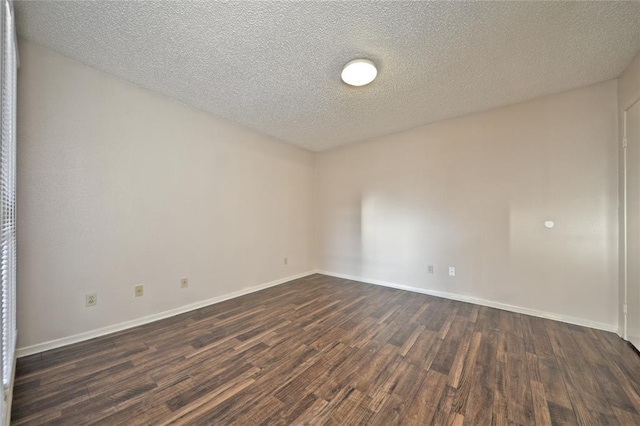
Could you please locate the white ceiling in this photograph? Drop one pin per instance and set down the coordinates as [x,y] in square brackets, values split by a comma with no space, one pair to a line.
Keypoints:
[275,66]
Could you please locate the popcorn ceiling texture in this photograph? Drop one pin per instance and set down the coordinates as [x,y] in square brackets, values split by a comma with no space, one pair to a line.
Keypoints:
[275,66]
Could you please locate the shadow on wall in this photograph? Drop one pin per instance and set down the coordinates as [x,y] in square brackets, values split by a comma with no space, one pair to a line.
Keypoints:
[501,252]
[401,234]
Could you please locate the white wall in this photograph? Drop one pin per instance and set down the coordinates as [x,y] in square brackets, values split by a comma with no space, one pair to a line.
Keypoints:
[628,92]
[473,193]
[119,186]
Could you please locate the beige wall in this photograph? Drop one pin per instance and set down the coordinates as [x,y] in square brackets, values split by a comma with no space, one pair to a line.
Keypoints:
[473,193]
[628,92]
[119,186]
[629,83]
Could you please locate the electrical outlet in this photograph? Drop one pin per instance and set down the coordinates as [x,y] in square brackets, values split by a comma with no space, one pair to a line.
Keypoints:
[184,282]
[452,271]
[91,299]
[286,260]
[139,290]
[430,269]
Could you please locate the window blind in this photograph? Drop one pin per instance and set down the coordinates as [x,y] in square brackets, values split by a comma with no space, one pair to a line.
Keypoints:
[8,196]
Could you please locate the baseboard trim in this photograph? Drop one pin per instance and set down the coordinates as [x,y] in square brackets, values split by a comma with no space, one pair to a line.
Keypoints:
[479,301]
[64,341]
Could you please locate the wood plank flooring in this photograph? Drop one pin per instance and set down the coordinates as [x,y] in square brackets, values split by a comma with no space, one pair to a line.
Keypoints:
[323,350]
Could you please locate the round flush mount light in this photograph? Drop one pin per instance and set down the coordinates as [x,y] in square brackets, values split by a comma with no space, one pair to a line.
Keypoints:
[549,224]
[359,72]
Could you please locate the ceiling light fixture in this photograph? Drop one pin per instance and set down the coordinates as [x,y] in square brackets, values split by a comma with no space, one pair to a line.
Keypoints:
[359,72]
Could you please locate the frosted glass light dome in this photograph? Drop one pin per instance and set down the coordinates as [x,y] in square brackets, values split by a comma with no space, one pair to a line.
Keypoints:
[359,72]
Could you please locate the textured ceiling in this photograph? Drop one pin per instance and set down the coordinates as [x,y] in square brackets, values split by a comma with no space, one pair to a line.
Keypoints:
[275,66]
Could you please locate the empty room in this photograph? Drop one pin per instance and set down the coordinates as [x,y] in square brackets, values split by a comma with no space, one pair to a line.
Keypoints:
[320,212]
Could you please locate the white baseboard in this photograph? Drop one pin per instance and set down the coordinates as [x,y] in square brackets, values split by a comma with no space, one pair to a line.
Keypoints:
[483,302]
[52,344]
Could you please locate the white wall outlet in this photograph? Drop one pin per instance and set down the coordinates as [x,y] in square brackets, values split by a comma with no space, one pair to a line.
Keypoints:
[452,271]
[91,299]
[430,269]
[286,260]
[138,290]
[184,282]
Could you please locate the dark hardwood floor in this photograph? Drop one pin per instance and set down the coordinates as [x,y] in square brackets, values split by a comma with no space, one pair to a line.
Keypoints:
[323,350]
